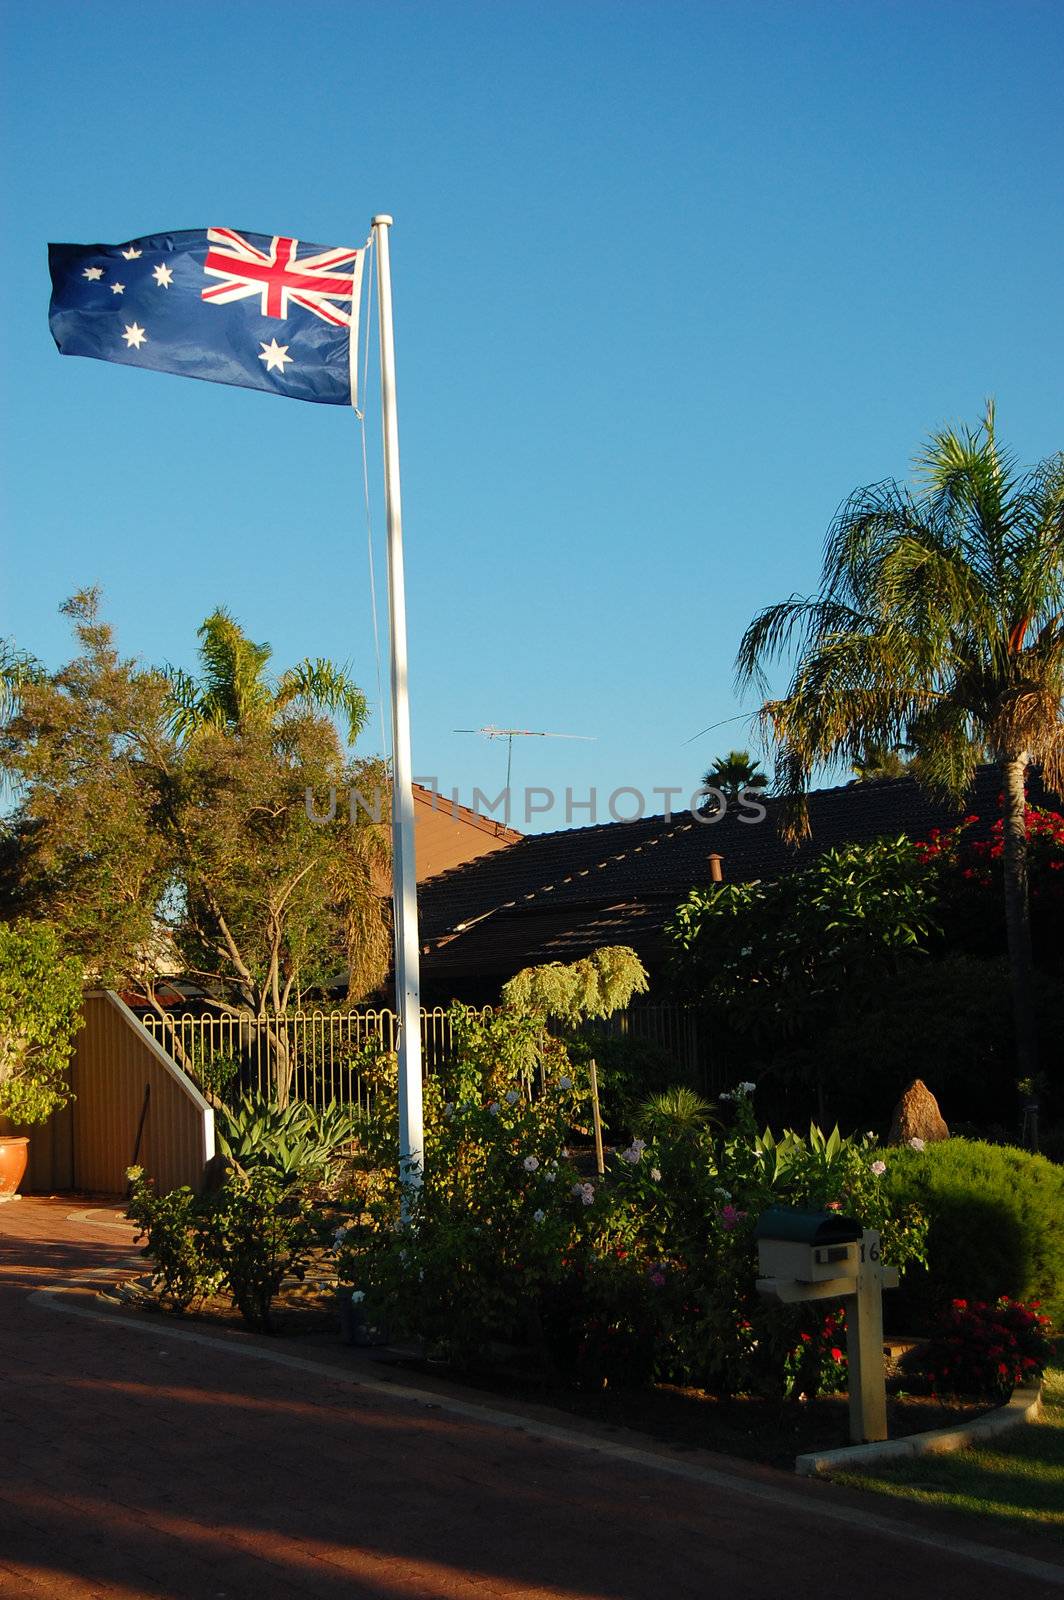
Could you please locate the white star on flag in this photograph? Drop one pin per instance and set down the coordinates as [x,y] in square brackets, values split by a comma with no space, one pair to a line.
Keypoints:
[275,355]
[134,336]
[118,288]
[131,254]
[162,276]
[92,273]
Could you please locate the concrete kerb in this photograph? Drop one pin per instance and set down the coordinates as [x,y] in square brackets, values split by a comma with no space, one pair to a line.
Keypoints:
[1025,1406]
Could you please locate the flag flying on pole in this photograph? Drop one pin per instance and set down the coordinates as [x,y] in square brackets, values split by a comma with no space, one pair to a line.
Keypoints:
[263,311]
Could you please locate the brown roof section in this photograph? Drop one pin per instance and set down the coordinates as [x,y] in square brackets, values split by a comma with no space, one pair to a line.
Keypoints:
[447,834]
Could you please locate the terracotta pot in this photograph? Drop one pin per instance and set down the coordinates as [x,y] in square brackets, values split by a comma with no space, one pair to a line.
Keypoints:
[14,1153]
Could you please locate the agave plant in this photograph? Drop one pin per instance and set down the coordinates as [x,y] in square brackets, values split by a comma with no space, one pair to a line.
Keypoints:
[296,1141]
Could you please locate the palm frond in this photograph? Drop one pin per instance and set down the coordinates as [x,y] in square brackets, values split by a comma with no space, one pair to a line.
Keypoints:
[18,669]
[322,684]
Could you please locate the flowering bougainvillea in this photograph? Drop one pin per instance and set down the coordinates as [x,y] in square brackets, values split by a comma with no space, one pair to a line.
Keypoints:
[968,863]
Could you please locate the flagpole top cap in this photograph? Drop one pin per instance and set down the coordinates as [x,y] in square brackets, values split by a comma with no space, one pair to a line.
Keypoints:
[383,220]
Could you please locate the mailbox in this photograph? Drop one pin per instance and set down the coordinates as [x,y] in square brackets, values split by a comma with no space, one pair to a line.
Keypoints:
[808,1247]
[818,1255]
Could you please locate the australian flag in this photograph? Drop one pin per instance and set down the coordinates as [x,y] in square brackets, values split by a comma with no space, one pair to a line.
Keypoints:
[262,311]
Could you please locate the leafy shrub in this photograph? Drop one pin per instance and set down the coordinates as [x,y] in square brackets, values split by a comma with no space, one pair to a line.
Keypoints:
[987,1349]
[496,1211]
[996,1226]
[595,986]
[173,1224]
[246,1236]
[255,1231]
[40,1007]
[675,1113]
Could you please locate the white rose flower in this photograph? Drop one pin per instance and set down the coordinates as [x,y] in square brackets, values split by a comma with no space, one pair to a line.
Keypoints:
[531,1163]
[510,1097]
[538,1216]
[655,1173]
[918,1144]
[549,1177]
[357,1296]
[565,1082]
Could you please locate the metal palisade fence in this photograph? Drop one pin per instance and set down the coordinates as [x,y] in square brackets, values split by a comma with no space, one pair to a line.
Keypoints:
[314,1056]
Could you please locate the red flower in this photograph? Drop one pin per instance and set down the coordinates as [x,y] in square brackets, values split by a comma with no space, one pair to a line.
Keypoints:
[836,1353]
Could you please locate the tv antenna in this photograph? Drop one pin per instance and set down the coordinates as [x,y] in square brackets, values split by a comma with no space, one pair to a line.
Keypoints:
[510,734]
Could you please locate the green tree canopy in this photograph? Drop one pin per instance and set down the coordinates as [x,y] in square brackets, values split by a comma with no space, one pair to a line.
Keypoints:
[938,625]
[733,773]
[147,815]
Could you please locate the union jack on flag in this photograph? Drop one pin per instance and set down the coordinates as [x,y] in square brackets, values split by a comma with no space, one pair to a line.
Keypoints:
[278,275]
[264,311]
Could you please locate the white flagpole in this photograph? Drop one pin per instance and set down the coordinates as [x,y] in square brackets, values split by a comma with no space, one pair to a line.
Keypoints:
[407,965]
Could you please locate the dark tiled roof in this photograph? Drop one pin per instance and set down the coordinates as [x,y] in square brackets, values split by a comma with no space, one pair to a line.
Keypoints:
[555,896]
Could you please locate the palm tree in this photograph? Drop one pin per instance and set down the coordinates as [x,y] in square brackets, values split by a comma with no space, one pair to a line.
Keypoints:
[234,690]
[733,773]
[877,761]
[939,624]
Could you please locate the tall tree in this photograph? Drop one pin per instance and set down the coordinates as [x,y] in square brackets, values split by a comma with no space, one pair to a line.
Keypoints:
[733,773]
[938,624]
[155,805]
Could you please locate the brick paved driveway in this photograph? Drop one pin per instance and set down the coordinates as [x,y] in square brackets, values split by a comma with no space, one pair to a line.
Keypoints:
[135,1464]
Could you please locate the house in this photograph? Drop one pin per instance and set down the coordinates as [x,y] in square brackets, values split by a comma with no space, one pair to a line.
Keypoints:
[557,896]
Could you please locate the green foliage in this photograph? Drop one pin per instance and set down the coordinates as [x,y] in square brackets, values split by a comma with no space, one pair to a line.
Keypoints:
[650,1269]
[996,1216]
[256,1230]
[496,1209]
[40,1012]
[938,624]
[629,1069]
[157,808]
[596,986]
[774,961]
[243,1238]
[675,1113]
[295,1141]
[986,1350]
[173,1223]
[734,773]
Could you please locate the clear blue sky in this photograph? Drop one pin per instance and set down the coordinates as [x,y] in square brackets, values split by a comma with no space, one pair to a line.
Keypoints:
[670,279]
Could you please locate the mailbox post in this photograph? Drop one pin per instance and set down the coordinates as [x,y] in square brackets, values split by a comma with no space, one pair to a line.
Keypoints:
[818,1255]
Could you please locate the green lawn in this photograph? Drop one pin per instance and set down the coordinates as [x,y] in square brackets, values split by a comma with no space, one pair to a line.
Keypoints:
[1019,1480]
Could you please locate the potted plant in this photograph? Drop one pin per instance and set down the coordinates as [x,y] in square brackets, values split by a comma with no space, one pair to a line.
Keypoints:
[40,1010]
